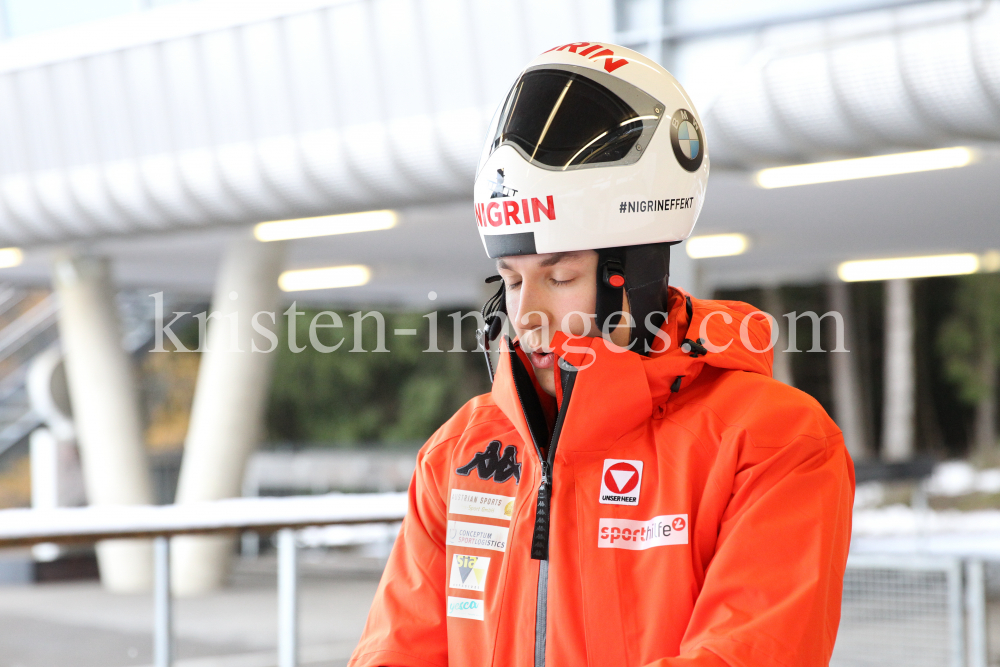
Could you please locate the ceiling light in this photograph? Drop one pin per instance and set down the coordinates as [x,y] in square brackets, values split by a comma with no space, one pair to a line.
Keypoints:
[10,257]
[908,267]
[989,261]
[865,167]
[326,278]
[716,245]
[325,225]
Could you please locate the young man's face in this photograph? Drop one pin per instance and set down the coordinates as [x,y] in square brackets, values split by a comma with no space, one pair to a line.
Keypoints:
[549,293]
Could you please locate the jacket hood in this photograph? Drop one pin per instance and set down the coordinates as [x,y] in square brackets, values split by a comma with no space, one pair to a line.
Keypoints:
[734,335]
[727,335]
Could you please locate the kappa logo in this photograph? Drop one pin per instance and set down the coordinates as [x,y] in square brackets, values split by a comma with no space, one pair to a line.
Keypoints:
[489,464]
[621,482]
[593,52]
[469,572]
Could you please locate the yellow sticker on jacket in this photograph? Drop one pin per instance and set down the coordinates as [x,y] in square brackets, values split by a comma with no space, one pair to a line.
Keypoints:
[487,505]
[469,572]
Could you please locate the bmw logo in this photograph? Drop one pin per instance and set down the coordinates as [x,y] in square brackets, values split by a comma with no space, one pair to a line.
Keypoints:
[687,140]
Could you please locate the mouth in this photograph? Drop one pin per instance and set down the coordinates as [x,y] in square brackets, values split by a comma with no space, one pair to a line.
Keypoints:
[542,360]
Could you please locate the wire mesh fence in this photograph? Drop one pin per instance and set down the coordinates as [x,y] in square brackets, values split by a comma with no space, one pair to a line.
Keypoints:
[901,610]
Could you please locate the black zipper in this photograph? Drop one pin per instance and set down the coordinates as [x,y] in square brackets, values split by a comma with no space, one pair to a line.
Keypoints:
[532,410]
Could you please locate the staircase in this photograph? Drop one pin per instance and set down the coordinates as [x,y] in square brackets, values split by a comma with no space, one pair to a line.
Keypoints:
[27,326]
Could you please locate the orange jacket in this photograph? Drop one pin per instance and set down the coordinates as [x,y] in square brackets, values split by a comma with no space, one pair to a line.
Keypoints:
[688,510]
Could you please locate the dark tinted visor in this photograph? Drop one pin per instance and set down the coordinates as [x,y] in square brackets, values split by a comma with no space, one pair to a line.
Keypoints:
[563,119]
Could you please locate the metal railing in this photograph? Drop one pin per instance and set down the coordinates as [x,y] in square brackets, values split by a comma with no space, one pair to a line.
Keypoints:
[90,524]
[919,598]
[909,611]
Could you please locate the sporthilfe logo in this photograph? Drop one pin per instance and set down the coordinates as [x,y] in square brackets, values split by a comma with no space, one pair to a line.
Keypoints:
[621,482]
[659,531]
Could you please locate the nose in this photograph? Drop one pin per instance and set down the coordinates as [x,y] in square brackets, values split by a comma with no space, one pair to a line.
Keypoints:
[533,319]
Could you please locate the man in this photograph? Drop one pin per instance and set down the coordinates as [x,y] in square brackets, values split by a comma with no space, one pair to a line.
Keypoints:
[636,489]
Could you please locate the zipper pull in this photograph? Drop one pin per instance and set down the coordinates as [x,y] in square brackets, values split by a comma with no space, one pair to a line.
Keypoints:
[540,536]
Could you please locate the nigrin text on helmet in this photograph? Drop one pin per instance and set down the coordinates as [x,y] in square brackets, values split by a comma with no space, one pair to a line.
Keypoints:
[593,52]
[510,211]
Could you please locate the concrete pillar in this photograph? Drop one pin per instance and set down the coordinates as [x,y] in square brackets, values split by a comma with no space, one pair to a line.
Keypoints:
[775,306]
[227,415]
[899,384]
[848,411]
[105,399]
[44,452]
[56,478]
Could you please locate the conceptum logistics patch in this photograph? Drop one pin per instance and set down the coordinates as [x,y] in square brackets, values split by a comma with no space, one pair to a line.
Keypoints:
[477,536]
[489,505]
[466,608]
[621,482]
[469,572]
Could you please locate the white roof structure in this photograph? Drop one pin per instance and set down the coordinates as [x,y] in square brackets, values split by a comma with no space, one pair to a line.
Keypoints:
[155,137]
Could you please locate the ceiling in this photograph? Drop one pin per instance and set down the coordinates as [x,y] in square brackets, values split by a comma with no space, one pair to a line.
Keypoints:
[797,235]
[800,234]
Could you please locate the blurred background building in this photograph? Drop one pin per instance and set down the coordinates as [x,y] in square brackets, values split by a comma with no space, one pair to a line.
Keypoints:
[142,141]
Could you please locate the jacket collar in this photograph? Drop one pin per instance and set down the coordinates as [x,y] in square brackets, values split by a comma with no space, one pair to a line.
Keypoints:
[616,390]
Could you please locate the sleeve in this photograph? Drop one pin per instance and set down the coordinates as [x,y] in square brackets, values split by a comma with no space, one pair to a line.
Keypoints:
[772,592]
[406,625]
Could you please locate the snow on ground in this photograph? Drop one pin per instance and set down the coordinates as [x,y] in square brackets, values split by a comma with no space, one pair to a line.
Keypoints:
[958,478]
[903,520]
[901,528]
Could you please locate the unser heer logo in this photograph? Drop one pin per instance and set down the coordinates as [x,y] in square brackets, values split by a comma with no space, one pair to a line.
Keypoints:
[621,482]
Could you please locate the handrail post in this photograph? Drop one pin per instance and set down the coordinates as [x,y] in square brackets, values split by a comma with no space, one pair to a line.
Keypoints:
[162,612]
[975,610]
[288,639]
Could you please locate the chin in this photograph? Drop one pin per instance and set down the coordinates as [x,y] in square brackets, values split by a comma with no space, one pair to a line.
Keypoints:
[546,379]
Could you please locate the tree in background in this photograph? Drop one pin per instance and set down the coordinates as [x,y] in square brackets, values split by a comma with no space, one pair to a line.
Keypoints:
[345,398]
[969,343]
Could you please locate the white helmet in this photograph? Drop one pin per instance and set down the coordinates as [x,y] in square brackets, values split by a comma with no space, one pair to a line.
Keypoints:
[576,157]
[596,147]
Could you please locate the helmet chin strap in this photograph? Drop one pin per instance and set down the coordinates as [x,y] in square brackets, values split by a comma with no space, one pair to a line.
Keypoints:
[641,272]
[494,311]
